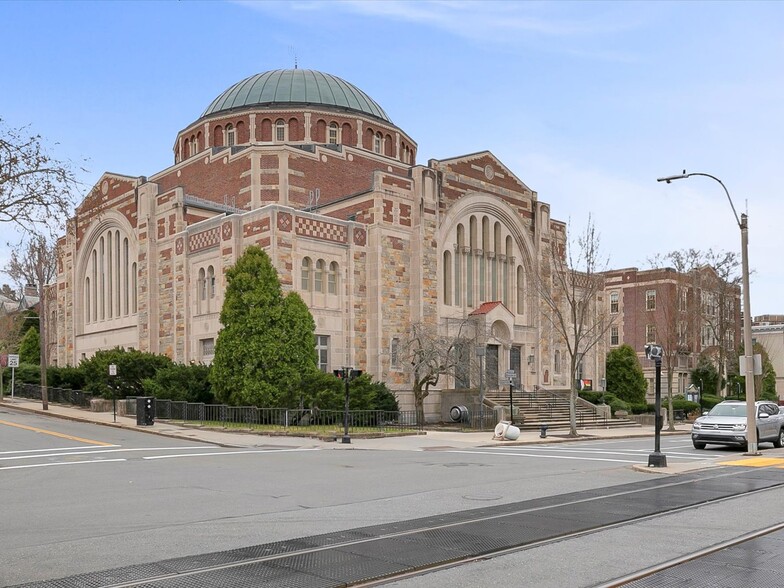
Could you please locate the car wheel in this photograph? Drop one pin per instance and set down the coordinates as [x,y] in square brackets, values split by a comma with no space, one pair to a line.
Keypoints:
[698,445]
[779,441]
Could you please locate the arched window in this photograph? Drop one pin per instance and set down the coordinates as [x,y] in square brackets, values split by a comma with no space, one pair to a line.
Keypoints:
[87,299]
[125,277]
[201,285]
[210,282]
[332,278]
[346,135]
[231,135]
[134,297]
[520,290]
[377,138]
[507,287]
[459,265]
[470,261]
[447,277]
[333,133]
[305,274]
[280,130]
[318,278]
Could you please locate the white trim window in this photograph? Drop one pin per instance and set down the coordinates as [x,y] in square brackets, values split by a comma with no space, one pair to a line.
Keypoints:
[322,351]
[231,135]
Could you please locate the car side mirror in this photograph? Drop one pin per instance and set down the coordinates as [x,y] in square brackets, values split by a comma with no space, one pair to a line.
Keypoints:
[763,415]
[705,412]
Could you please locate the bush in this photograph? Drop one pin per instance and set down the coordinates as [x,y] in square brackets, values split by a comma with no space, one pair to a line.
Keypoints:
[640,408]
[68,377]
[181,382]
[617,404]
[680,403]
[132,368]
[708,401]
[595,397]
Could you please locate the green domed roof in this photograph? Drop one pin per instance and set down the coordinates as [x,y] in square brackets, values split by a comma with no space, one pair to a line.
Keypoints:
[287,87]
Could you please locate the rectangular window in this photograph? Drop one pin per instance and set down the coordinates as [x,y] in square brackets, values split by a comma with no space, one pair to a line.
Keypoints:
[614,336]
[614,302]
[394,353]
[207,348]
[650,300]
[684,301]
[650,333]
[322,350]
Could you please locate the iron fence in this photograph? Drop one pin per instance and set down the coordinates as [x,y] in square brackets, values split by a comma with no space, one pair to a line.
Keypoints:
[56,395]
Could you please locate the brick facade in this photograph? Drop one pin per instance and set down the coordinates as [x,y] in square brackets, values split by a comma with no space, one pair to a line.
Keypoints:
[382,229]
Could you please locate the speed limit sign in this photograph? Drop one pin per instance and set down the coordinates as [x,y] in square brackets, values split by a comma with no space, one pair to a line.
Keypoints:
[13,361]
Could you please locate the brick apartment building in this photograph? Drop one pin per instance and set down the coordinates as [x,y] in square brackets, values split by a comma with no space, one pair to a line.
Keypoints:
[313,170]
[687,313]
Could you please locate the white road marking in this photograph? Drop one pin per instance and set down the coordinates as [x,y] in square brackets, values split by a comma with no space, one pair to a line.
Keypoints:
[583,458]
[588,451]
[58,463]
[55,449]
[88,451]
[231,453]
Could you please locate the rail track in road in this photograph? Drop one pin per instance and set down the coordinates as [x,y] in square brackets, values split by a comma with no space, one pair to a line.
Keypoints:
[371,555]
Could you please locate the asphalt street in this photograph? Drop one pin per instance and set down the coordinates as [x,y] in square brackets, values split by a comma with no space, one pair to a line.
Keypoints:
[79,497]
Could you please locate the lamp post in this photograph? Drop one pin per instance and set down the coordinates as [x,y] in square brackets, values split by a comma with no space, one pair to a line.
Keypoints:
[748,353]
[481,350]
[656,459]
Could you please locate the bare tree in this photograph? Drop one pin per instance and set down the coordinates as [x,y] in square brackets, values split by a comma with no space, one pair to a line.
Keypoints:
[432,354]
[36,263]
[35,189]
[720,287]
[569,287]
[674,317]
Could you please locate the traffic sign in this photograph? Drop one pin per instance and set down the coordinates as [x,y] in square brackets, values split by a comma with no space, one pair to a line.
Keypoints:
[13,361]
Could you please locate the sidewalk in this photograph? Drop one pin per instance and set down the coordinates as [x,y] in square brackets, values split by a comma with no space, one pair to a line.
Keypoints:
[429,440]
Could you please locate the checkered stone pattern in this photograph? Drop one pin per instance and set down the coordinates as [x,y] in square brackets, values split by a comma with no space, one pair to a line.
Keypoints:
[227,231]
[179,245]
[204,240]
[308,227]
[284,221]
[360,237]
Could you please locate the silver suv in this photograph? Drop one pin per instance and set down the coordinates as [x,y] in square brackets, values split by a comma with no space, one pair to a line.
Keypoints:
[725,424]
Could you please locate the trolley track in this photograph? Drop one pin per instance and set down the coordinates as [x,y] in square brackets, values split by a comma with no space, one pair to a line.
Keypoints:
[374,555]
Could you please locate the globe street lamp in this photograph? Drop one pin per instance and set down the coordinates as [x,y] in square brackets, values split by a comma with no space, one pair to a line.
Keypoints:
[748,353]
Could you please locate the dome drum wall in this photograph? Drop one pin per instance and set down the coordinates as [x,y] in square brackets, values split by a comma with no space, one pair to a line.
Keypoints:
[295,106]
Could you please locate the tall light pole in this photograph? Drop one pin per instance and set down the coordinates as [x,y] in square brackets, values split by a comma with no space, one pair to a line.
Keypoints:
[748,352]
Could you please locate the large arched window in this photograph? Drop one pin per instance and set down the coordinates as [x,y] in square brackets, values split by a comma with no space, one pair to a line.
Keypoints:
[106,277]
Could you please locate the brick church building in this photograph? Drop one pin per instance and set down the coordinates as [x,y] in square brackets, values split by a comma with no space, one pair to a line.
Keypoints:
[313,170]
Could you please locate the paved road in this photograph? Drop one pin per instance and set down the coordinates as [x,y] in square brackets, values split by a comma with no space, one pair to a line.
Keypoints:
[78,497]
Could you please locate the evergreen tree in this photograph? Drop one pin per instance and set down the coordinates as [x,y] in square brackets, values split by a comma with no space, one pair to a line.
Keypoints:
[30,347]
[267,342]
[625,378]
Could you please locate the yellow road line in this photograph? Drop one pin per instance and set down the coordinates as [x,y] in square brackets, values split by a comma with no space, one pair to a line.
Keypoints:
[756,462]
[54,433]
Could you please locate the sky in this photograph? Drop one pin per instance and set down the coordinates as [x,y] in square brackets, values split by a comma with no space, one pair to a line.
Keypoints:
[587,103]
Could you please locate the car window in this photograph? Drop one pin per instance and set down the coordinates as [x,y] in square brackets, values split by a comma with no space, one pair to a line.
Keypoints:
[734,410]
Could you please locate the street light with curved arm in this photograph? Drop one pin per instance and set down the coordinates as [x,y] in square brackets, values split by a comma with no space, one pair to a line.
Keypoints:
[743,225]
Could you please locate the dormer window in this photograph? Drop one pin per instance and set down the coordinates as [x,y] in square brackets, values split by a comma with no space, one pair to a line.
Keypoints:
[231,135]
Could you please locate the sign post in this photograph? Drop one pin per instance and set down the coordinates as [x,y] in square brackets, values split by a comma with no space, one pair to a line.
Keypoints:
[113,373]
[13,363]
[510,377]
